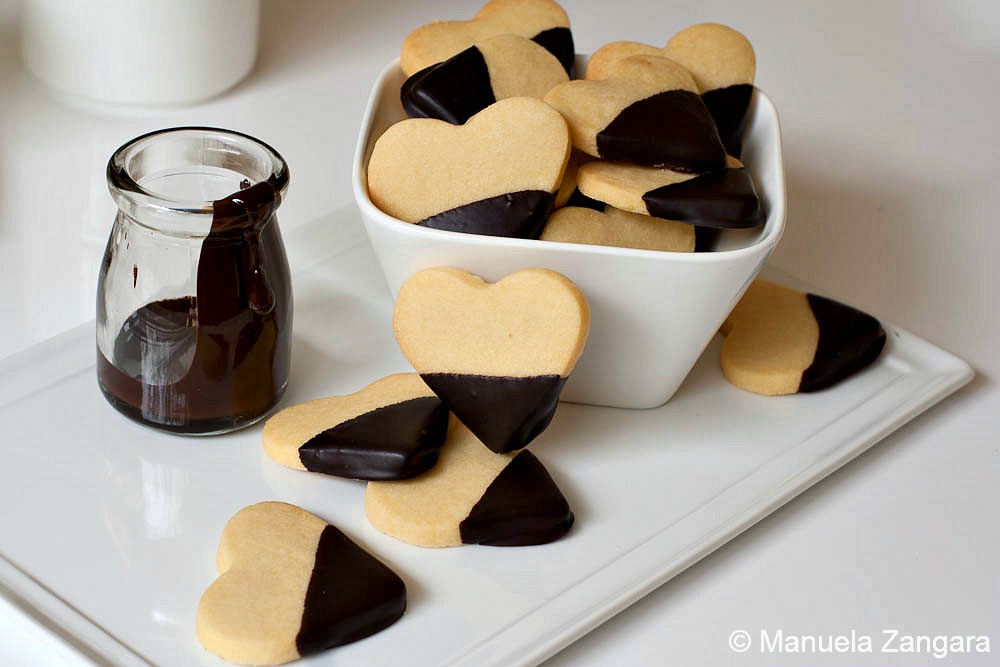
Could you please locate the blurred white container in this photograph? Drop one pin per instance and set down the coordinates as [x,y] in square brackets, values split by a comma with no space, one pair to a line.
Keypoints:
[652,313]
[144,52]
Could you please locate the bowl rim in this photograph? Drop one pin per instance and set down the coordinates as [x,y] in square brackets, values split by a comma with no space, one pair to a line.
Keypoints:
[774,225]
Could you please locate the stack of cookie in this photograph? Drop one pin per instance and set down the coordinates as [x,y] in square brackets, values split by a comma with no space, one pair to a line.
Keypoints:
[639,154]
[443,449]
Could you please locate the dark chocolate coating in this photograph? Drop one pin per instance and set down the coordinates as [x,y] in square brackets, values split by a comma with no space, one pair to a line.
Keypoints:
[351,595]
[559,42]
[454,90]
[521,507]
[581,200]
[392,442]
[516,214]
[726,199]
[229,347]
[671,129]
[849,340]
[728,107]
[505,413]
[705,238]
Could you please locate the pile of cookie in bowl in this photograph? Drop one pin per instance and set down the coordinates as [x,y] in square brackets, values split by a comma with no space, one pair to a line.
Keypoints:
[637,154]
[502,142]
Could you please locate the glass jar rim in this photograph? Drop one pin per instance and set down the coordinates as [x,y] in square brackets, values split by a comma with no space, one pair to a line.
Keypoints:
[185,217]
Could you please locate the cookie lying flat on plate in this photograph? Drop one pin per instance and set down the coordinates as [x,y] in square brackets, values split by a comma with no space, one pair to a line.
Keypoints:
[495,175]
[647,111]
[473,496]
[499,354]
[781,341]
[614,227]
[724,199]
[494,69]
[542,21]
[291,585]
[721,61]
[391,429]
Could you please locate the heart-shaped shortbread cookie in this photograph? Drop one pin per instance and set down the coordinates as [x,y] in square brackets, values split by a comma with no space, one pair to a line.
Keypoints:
[568,189]
[291,585]
[497,354]
[542,21]
[473,496]
[621,229]
[600,62]
[647,111]
[721,61]
[391,429]
[496,175]
[781,341]
[494,69]
[722,199]
[723,64]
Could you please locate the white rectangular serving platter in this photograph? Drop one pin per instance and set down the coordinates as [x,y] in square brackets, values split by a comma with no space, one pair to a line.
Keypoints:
[109,529]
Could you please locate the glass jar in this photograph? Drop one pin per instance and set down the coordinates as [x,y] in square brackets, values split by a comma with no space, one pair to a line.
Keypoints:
[194,297]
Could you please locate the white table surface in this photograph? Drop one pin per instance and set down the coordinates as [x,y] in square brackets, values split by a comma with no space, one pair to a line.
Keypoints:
[889,114]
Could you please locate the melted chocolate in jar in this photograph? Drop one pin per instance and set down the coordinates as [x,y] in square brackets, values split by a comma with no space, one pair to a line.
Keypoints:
[218,359]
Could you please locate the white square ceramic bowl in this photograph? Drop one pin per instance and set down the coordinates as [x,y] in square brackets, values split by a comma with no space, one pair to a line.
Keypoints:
[652,313]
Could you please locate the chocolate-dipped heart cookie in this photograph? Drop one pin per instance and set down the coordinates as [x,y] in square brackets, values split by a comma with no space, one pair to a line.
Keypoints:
[496,68]
[614,227]
[291,585]
[721,61]
[499,354]
[781,341]
[496,175]
[723,199]
[542,21]
[647,111]
[473,496]
[391,429]
[723,65]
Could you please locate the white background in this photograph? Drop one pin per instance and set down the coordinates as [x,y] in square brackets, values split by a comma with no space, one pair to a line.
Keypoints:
[890,121]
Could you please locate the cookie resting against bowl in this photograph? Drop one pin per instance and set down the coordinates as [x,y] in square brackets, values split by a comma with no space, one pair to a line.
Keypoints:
[497,354]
